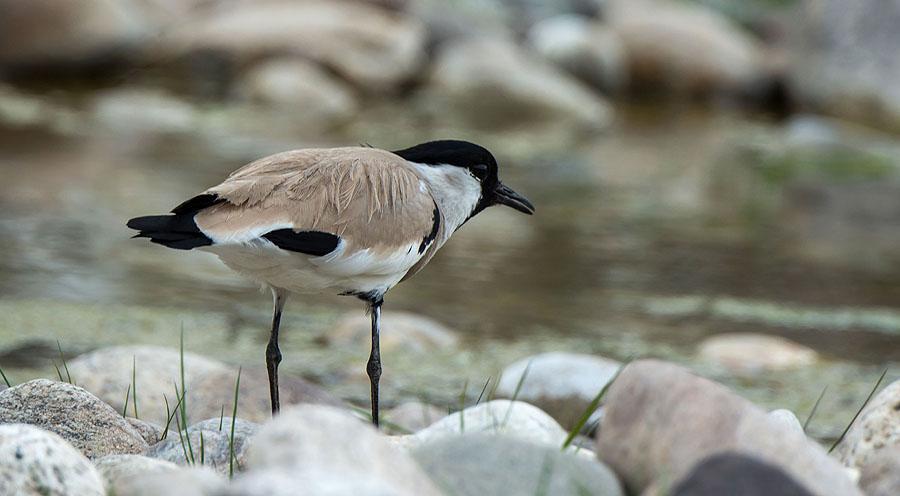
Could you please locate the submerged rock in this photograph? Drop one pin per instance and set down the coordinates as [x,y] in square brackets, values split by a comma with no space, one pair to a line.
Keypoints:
[750,354]
[876,428]
[561,384]
[399,330]
[477,464]
[39,463]
[660,421]
[76,415]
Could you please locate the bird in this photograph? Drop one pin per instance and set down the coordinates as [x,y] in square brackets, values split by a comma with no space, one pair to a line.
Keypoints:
[352,221]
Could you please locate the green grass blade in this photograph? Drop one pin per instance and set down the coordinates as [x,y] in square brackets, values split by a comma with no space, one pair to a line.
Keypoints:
[165,432]
[483,389]
[516,393]
[58,372]
[4,378]
[65,365]
[861,407]
[462,407]
[181,435]
[815,409]
[125,407]
[202,450]
[183,422]
[592,407]
[366,414]
[134,385]
[237,390]
[221,417]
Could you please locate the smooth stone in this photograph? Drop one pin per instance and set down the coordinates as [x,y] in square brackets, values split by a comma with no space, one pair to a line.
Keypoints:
[330,447]
[480,464]
[736,474]
[148,430]
[750,354]
[684,48]
[119,470]
[660,420]
[588,50]
[194,481]
[880,476]
[144,110]
[216,444]
[561,384]
[787,419]
[876,428]
[36,462]
[375,55]
[76,415]
[414,416]
[492,83]
[399,330]
[299,87]
[515,419]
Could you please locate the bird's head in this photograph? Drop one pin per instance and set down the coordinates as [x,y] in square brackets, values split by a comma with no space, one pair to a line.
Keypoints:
[480,165]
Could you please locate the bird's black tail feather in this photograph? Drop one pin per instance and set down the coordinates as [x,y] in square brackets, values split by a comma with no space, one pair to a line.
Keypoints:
[178,230]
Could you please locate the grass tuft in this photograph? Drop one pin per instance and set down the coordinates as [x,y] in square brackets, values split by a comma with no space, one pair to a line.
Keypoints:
[237,390]
[592,407]
[861,407]
[65,365]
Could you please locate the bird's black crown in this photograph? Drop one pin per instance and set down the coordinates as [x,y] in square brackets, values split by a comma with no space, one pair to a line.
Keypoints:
[459,153]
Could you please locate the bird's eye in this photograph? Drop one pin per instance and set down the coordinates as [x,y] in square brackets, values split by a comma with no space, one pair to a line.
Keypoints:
[480,170]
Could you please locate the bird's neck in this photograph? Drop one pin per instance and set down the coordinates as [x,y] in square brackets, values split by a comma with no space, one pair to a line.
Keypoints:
[455,191]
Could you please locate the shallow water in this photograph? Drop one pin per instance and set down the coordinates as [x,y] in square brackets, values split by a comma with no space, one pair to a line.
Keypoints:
[646,239]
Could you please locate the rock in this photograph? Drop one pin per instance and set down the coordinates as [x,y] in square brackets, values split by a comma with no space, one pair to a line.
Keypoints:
[45,32]
[513,419]
[216,444]
[660,421]
[561,384]
[74,414]
[332,451]
[478,464]
[588,51]
[414,416]
[144,110]
[748,354]
[880,476]
[877,427]
[210,384]
[40,463]
[399,330]
[684,48]
[787,419]
[300,88]
[492,83]
[119,470]
[844,61]
[194,481]
[149,431]
[375,55]
[737,475]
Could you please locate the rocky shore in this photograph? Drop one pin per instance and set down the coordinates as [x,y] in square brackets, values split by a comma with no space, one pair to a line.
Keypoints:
[659,429]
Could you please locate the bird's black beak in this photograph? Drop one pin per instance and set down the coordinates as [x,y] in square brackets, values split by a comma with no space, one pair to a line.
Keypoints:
[508,197]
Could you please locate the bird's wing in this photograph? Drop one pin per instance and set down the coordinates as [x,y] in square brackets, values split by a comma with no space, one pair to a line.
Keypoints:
[369,198]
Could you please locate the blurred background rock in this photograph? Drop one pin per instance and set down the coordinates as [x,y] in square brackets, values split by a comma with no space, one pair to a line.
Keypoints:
[700,168]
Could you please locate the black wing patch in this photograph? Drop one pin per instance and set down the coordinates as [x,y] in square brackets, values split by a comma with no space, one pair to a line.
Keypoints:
[197,204]
[178,230]
[314,243]
[435,227]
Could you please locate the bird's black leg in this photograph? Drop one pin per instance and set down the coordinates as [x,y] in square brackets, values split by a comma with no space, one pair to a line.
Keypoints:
[373,368]
[273,354]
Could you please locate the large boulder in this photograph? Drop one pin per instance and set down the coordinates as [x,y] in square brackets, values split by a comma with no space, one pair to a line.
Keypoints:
[477,464]
[492,83]
[749,354]
[76,415]
[844,60]
[660,421]
[399,330]
[876,428]
[40,463]
[329,451]
[685,48]
[376,55]
[214,437]
[737,475]
[561,384]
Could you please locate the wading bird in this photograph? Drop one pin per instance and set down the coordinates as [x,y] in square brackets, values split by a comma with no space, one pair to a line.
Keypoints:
[353,221]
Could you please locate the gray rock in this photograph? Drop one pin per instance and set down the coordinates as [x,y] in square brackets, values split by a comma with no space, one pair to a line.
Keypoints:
[590,51]
[844,60]
[73,413]
[328,447]
[561,384]
[479,464]
[513,419]
[148,430]
[877,427]
[737,475]
[491,83]
[40,463]
[193,481]
[399,330]
[749,354]
[880,476]
[300,87]
[684,48]
[119,470]
[414,416]
[375,55]
[660,421]
[216,445]
[787,419]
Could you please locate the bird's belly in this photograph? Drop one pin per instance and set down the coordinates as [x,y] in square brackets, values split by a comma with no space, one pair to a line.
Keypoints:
[361,271]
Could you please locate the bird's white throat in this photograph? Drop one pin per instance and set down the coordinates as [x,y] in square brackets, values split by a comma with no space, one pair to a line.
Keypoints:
[454,189]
